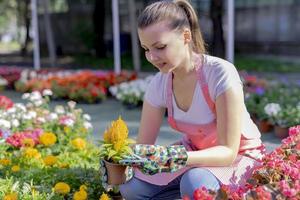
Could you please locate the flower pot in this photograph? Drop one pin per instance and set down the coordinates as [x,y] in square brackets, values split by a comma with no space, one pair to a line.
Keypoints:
[264,126]
[115,173]
[281,132]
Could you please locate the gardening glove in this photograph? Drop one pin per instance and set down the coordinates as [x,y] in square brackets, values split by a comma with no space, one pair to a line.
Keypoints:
[103,175]
[152,159]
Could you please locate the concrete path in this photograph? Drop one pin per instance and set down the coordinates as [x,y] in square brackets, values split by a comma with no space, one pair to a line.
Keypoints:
[103,113]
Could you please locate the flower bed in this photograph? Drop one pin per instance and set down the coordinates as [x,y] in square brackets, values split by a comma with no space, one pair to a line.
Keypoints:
[277,178]
[80,86]
[44,154]
[131,93]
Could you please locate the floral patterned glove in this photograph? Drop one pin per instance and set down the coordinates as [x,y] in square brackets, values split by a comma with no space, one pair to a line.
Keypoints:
[152,159]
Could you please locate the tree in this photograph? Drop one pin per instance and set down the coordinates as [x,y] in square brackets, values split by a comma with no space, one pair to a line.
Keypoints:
[218,43]
[99,27]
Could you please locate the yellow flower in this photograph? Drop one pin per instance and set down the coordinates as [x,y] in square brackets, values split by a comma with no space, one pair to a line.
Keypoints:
[116,132]
[106,136]
[15,168]
[104,197]
[63,165]
[78,143]
[5,161]
[119,144]
[50,160]
[48,139]
[12,196]
[62,188]
[80,195]
[67,129]
[83,187]
[31,153]
[28,142]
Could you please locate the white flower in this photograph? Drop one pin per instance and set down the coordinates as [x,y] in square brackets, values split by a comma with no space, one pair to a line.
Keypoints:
[32,114]
[41,119]
[25,96]
[87,117]
[272,109]
[72,104]
[38,103]
[113,90]
[11,110]
[35,96]
[47,92]
[52,116]
[3,81]
[59,109]
[5,124]
[87,125]
[15,123]
[20,107]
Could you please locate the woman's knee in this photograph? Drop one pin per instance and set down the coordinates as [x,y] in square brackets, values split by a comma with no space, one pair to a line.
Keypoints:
[196,178]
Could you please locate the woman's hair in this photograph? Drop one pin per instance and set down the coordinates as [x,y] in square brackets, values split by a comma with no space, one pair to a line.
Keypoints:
[180,14]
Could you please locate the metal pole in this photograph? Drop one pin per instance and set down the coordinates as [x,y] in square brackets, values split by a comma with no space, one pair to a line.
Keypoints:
[230,31]
[134,38]
[116,36]
[36,45]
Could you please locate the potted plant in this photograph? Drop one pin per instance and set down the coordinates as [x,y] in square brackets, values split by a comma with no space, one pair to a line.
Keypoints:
[114,147]
[287,117]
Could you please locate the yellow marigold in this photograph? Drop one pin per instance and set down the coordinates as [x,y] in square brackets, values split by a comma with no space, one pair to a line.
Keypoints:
[104,197]
[62,188]
[78,143]
[31,153]
[83,187]
[28,142]
[50,160]
[48,139]
[80,195]
[11,196]
[15,168]
[5,161]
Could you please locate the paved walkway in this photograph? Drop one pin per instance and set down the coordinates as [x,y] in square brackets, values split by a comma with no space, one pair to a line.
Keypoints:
[102,114]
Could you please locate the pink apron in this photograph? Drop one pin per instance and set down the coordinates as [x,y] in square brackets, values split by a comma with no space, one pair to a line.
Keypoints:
[203,136]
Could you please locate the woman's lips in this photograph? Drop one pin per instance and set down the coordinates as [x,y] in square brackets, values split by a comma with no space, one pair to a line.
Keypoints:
[161,65]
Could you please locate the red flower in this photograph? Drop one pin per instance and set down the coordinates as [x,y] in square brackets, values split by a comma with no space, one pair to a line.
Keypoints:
[5,102]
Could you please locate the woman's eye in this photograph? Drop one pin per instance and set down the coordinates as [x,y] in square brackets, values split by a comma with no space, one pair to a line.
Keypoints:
[161,47]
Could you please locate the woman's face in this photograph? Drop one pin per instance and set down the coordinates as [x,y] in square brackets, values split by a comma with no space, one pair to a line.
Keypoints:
[164,48]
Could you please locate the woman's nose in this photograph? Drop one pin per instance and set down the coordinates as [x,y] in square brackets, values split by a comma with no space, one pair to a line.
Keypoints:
[152,57]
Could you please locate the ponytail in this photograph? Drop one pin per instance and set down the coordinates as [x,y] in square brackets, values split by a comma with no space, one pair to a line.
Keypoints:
[198,42]
[180,14]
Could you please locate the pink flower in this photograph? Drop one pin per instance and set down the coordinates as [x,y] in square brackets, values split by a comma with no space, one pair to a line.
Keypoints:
[262,194]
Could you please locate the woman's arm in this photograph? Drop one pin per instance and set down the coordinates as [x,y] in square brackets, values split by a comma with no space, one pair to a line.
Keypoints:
[229,108]
[150,123]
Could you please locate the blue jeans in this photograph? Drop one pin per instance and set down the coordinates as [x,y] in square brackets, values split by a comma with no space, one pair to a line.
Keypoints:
[184,185]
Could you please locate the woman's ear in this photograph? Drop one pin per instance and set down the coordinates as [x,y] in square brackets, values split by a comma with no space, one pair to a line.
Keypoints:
[187,36]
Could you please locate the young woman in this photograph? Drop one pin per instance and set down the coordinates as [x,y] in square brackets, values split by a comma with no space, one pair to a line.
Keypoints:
[203,96]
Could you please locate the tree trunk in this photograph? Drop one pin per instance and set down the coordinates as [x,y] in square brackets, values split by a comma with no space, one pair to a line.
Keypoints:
[216,13]
[49,34]
[26,16]
[99,27]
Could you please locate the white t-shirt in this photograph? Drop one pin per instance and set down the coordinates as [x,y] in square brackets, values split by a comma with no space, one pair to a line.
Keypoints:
[220,75]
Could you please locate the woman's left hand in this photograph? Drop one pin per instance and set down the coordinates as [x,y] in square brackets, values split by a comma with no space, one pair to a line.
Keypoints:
[152,159]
